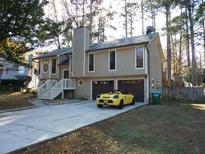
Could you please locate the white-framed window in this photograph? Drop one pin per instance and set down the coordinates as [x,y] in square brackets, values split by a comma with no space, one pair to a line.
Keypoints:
[112,60]
[53,66]
[139,57]
[45,67]
[91,62]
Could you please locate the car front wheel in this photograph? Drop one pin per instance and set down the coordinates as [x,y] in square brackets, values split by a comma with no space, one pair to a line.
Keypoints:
[99,106]
[121,104]
[133,101]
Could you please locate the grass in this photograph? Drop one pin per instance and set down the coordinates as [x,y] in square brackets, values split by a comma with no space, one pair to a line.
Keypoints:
[172,128]
[12,100]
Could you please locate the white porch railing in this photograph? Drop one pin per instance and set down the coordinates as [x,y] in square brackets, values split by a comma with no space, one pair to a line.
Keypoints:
[68,84]
[51,88]
[47,85]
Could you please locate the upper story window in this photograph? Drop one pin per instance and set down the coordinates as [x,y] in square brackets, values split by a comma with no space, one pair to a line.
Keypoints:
[53,68]
[139,57]
[112,60]
[91,59]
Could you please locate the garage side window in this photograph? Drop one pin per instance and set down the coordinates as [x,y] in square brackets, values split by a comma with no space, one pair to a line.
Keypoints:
[139,57]
[112,60]
[53,70]
[91,62]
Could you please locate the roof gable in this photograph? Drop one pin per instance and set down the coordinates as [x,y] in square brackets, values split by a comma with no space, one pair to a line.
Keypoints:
[54,53]
[142,39]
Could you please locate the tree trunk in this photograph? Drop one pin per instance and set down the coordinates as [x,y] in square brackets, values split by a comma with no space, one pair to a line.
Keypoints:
[187,40]
[142,10]
[203,28]
[180,52]
[180,57]
[126,18]
[99,28]
[131,25]
[204,37]
[168,47]
[56,20]
[187,46]
[91,19]
[152,14]
[58,42]
[83,18]
[190,9]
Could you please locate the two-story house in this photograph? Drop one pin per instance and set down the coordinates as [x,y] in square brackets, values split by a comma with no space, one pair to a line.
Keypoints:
[132,64]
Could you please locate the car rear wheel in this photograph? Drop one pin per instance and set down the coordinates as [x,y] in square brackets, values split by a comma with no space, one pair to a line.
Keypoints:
[121,104]
[99,106]
[133,101]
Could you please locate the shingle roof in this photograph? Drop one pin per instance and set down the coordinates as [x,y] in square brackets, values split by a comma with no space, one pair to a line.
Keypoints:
[54,53]
[142,39]
[65,62]
[120,42]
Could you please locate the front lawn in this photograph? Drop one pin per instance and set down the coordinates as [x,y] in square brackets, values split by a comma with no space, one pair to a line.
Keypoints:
[11,100]
[167,128]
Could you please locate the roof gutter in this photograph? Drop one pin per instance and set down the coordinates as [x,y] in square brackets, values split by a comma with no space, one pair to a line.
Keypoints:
[91,50]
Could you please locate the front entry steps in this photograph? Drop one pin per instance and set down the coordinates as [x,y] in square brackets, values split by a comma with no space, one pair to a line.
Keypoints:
[52,88]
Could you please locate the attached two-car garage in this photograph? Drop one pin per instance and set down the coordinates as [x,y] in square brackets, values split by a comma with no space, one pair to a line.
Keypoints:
[99,87]
[135,87]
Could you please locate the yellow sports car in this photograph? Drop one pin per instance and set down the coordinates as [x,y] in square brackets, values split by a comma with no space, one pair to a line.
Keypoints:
[116,98]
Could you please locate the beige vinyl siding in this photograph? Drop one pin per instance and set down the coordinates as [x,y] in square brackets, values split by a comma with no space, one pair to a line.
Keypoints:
[83,91]
[48,74]
[155,64]
[125,63]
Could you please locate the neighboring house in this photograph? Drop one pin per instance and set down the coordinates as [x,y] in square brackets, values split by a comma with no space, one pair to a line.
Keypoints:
[11,72]
[133,65]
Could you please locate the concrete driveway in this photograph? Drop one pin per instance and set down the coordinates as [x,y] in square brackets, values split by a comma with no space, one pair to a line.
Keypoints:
[25,127]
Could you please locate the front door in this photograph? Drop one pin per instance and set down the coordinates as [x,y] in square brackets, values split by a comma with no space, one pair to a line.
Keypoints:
[66,74]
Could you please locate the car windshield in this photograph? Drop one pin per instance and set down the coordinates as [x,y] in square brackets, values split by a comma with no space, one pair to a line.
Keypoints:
[117,92]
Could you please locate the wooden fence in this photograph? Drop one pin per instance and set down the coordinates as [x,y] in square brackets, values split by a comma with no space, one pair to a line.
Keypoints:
[185,93]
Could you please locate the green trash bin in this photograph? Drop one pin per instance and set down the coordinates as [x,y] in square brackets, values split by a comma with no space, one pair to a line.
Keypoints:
[156,97]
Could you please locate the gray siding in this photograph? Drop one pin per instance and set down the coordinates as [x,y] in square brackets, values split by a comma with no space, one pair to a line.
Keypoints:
[84,91]
[125,63]
[48,75]
[155,64]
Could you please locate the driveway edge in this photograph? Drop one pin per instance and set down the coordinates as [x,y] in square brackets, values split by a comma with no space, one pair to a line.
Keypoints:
[18,109]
